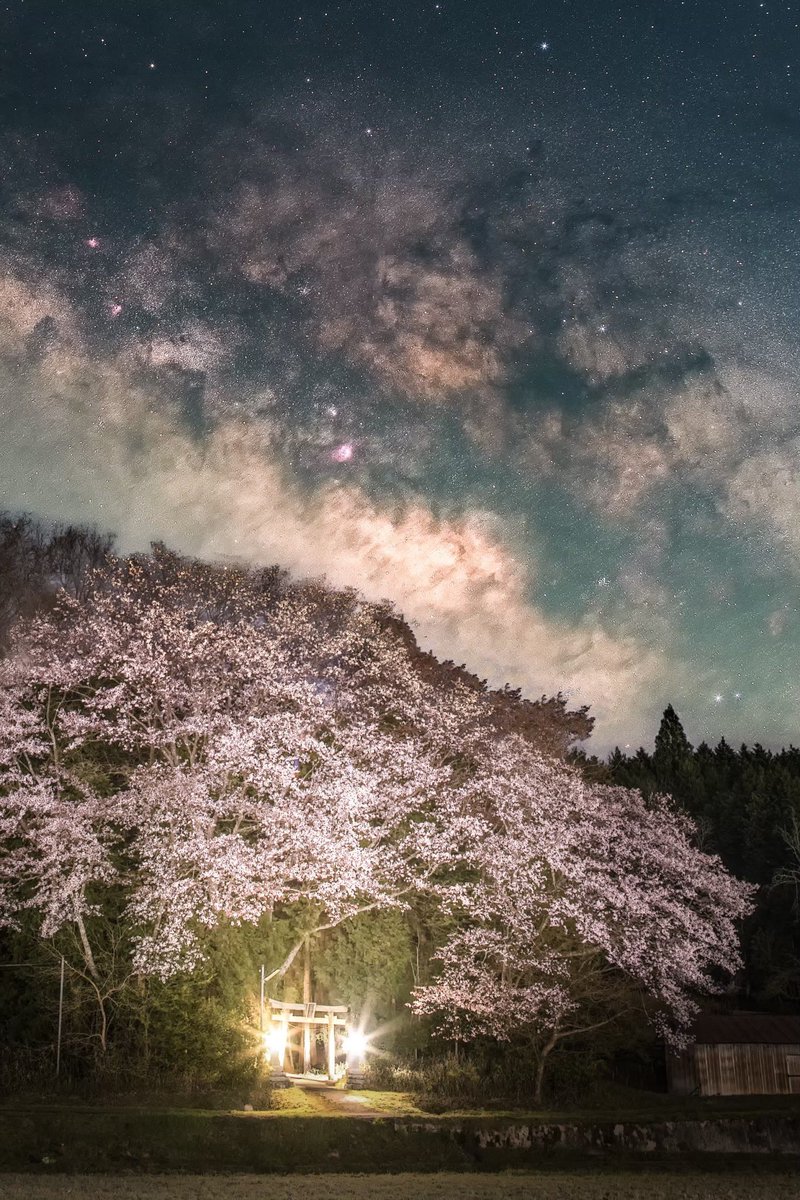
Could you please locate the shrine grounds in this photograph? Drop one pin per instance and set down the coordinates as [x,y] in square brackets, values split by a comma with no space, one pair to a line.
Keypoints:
[360,1146]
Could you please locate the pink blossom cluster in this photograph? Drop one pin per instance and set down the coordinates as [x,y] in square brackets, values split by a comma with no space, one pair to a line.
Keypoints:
[209,752]
[569,881]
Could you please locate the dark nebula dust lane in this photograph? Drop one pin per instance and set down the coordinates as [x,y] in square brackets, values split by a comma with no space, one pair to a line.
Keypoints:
[490,309]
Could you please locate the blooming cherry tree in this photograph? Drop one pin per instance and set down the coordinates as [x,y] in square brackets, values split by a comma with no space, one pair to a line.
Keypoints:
[203,750]
[253,755]
[575,887]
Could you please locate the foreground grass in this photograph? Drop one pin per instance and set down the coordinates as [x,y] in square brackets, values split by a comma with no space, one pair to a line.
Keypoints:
[778,1185]
[318,1132]
[617,1104]
[614,1104]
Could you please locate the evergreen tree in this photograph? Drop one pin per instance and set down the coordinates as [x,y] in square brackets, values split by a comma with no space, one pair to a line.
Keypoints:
[673,751]
[742,802]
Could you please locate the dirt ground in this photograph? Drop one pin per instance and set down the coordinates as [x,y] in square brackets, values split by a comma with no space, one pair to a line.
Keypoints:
[508,1186]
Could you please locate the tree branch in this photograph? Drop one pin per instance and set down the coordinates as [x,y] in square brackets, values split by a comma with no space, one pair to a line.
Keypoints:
[295,950]
[87,949]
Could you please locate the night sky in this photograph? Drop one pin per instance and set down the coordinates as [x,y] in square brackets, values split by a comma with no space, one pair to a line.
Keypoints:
[489,308]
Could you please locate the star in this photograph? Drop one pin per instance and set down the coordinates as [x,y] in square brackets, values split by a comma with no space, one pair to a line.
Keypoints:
[718,698]
[544,45]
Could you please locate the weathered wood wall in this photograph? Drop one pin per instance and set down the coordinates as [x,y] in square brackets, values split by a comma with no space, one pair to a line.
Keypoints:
[735,1070]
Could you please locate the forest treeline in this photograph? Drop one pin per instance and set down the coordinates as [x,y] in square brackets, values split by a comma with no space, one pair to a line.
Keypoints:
[128,1026]
[746,806]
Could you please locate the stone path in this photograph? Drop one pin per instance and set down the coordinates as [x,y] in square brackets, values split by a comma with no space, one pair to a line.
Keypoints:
[345,1103]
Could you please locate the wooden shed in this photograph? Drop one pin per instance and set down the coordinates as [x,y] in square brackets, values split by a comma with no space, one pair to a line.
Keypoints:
[738,1054]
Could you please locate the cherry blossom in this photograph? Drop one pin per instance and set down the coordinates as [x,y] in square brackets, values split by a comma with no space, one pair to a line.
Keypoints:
[265,753]
[211,746]
[568,882]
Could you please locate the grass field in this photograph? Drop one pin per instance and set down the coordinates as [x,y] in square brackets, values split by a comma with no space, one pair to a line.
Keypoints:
[313,1134]
[506,1186]
[616,1103]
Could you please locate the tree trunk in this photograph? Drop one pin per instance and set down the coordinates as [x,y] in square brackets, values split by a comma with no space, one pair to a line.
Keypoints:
[538,1078]
[103,1024]
[86,947]
[306,1001]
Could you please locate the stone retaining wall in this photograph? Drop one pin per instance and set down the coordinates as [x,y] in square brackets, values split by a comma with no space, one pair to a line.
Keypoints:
[729,1135]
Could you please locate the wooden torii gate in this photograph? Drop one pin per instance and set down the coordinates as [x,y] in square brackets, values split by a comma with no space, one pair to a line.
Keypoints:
[308,1017]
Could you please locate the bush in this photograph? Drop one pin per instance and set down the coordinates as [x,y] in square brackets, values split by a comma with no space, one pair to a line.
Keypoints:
[574,1077]
[382,1075]
[492,1077]
[437,1083]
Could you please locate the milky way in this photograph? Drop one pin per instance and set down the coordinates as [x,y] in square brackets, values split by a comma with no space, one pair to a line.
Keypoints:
[487,310]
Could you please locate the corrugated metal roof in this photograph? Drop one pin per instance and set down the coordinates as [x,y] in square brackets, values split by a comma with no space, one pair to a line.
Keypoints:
[745,1028]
